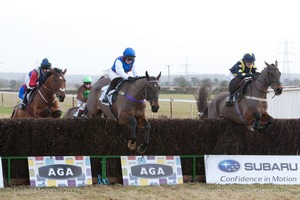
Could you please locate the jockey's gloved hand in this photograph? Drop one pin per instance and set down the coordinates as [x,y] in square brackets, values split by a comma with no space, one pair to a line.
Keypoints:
[130,78]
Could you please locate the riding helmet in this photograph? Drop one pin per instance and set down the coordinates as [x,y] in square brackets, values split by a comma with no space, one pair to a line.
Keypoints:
[249,57]
[87,79]
[129,52]
[45,64]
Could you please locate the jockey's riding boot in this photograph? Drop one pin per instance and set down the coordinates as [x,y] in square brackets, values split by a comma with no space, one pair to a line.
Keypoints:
[105,99]
[229,100]
[22,105]
[80,112]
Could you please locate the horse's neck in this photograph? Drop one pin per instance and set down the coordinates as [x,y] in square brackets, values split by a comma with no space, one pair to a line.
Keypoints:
[46,87]
[138,88]
[259,87]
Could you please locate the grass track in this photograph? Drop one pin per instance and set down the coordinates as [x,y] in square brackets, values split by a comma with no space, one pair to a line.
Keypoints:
[188,191]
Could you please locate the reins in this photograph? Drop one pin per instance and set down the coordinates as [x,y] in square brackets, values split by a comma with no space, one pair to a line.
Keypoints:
[265,83]
[144,93]
[48,91]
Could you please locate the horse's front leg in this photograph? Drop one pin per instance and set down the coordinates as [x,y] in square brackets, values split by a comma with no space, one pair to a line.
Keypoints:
[266,117]
[132,124]
[55,110]
[44,113]
[143,147]
[257,117]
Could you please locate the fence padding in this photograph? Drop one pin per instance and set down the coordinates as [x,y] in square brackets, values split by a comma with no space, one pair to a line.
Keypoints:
[37,137]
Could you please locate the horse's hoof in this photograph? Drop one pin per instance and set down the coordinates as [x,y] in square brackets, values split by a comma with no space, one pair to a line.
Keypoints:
[131,146]
[142,149]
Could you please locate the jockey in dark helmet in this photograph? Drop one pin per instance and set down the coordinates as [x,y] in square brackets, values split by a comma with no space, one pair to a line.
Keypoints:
[242,69]
[121,68]
[34,79]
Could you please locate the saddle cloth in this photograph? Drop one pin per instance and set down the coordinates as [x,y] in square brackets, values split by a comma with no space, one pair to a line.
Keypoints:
[103,91]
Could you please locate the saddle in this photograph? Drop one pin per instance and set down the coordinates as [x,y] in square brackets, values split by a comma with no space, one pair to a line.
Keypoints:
[115,85]
[30,95]
[241,88]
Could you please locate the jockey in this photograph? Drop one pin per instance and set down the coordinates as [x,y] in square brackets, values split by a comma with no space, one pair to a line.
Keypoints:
[34,79]
[121,67]
[242,69]
[82,94]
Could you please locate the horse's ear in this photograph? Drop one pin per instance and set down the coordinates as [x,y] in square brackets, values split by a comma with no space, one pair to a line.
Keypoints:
[147,75]
[158,77]
[266,63]
[64,72]
[276,64]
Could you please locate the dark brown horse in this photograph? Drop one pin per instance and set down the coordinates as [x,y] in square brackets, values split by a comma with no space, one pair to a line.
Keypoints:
[43,102]
[73,111]
[128,105]
[251,106]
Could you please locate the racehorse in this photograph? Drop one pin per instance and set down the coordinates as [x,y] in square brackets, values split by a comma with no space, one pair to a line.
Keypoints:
[128,104]
[43,102]
[71,111]
[250,107]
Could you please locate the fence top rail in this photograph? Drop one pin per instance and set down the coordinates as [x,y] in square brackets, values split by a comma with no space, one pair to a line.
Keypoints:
[101,156]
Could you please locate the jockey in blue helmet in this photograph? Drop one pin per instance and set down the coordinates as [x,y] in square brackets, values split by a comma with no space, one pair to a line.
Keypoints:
[122,66]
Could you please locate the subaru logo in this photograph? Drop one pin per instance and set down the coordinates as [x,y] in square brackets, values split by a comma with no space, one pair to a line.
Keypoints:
[229,166]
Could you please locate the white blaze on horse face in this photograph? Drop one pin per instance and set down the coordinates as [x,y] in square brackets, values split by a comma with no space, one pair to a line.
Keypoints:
[62,89]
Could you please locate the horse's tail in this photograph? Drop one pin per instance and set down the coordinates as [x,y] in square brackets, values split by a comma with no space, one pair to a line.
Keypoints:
[202,103]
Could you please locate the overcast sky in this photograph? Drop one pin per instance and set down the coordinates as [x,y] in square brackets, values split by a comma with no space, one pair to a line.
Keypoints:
[191,36]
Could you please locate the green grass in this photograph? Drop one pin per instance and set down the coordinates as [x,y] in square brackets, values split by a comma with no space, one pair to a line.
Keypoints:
[167,109]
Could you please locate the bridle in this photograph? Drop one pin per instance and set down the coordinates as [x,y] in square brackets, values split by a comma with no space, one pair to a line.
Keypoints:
[50,90]
[267,81]
[144,94]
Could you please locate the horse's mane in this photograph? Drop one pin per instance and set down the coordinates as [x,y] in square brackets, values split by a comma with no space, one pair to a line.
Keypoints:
[267,67]
[49,73]
[141,77]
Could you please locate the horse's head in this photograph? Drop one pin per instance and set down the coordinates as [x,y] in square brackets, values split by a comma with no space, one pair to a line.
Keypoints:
[273,78]
[152,91]
[58,83]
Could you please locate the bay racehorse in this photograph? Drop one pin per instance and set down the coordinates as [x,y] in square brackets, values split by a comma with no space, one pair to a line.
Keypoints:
[43,100]
[251,106]
[128,104]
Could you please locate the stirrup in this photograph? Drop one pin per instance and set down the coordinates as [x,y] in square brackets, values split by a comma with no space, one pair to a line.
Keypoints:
[105,99]
[229,102]
[22,106]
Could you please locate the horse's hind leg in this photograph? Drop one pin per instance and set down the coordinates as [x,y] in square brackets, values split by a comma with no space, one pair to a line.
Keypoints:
[143,147]
[132,142]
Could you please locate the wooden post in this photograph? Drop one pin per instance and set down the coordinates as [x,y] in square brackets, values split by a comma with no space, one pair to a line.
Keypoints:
[171,107]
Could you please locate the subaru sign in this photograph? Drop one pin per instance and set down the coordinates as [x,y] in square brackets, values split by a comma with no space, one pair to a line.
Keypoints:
[229,166]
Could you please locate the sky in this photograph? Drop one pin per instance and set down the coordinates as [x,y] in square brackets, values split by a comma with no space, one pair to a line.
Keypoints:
[169,36]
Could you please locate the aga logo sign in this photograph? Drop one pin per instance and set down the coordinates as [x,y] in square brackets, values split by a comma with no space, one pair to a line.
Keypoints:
[151,171]
[60,171]
[229,166]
